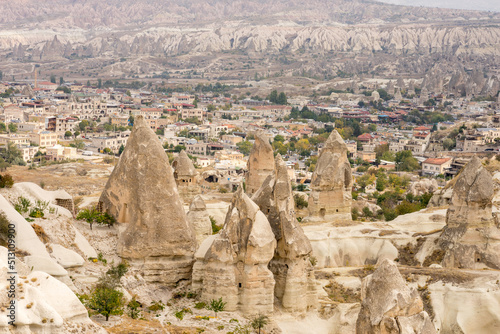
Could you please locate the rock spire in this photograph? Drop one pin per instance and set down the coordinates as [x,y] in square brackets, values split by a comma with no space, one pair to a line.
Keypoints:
[142,195]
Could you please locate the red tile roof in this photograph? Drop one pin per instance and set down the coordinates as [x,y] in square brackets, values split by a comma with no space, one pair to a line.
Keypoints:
[436,161]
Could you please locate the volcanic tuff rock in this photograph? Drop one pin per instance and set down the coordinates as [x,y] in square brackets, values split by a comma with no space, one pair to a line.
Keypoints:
[295,284]
[471,198]
[423,186]
[236,263]
[198,217]
[471,237]
[331,183]
[141,194]
[186,176]
[260,163]
[388,306]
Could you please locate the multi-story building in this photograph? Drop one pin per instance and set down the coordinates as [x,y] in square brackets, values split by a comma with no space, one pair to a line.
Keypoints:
[190,113]
[113,143]
[44,138]
[435,166]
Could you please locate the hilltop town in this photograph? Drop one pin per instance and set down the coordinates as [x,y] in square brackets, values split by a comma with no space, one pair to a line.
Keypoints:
[365,209]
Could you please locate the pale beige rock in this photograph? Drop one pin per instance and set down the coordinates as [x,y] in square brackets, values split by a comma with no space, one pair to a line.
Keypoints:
[186,176]
[389,306]
[290,265]
[199,219]
[236,263]
[141,193]
[260,163]
[423,186]
[472,196]
[471,238]
[331,183]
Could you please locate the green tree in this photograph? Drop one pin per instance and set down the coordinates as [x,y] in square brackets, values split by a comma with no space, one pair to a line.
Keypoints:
[12,127]
[281,99]
[13,155]
[1,75]
[279,138]
[65,89]
[245,147]
[52,78]
[89,215]
[273,97]
[120,150]
[259,322]
[61,81]
[106,300]
[99,83]
[216,305]
[179,148]
[3,127]
[211,107]
[3,164]
[83,124]
[406,162]
[78,143]
[448,144]
[68,134]
[381,181]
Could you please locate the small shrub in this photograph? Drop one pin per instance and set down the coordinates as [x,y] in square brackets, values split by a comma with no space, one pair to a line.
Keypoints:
[300,202]
[221,327]
[36,213]
[156,306]
[216,305]
[259,322]
[6,181]
[222,190]
[313,260]
[354,213]
[200,305]
[179,315]
[215,227]
[100,257]
[191,295]
[23,205]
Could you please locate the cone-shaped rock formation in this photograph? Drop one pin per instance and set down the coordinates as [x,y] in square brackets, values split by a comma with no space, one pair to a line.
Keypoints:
[141,193]
[470,238]
[331,183]
[260,163]
[389,306]
[236,263]
[198,217]
[295,283]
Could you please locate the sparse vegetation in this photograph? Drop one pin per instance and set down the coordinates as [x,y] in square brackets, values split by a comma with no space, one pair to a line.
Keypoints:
[216,305]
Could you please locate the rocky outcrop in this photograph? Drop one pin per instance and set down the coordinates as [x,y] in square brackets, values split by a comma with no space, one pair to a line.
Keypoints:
[142,195]
[236,263]
[441,197]
[472,196]
[331,183]
[471,237]
[260,163]
[389,306]
[423,186]
[43,303]
[292,270]
[186,176]
[199,219]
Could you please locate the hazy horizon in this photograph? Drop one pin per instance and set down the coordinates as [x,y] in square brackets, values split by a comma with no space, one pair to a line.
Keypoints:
[486,5]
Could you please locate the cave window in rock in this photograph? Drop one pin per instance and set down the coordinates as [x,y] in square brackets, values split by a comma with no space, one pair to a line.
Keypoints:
[322,212]
[239,285]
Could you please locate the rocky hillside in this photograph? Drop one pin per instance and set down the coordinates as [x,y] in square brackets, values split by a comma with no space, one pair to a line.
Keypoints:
[93,14]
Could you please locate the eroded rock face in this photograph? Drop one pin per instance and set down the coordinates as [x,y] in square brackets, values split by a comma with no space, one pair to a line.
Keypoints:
[470,237]
[260,163]
[295,283]
[141,194]
[198,217]
[236,263]
[331,183]
[472,196]
[389,306]
[423,186]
